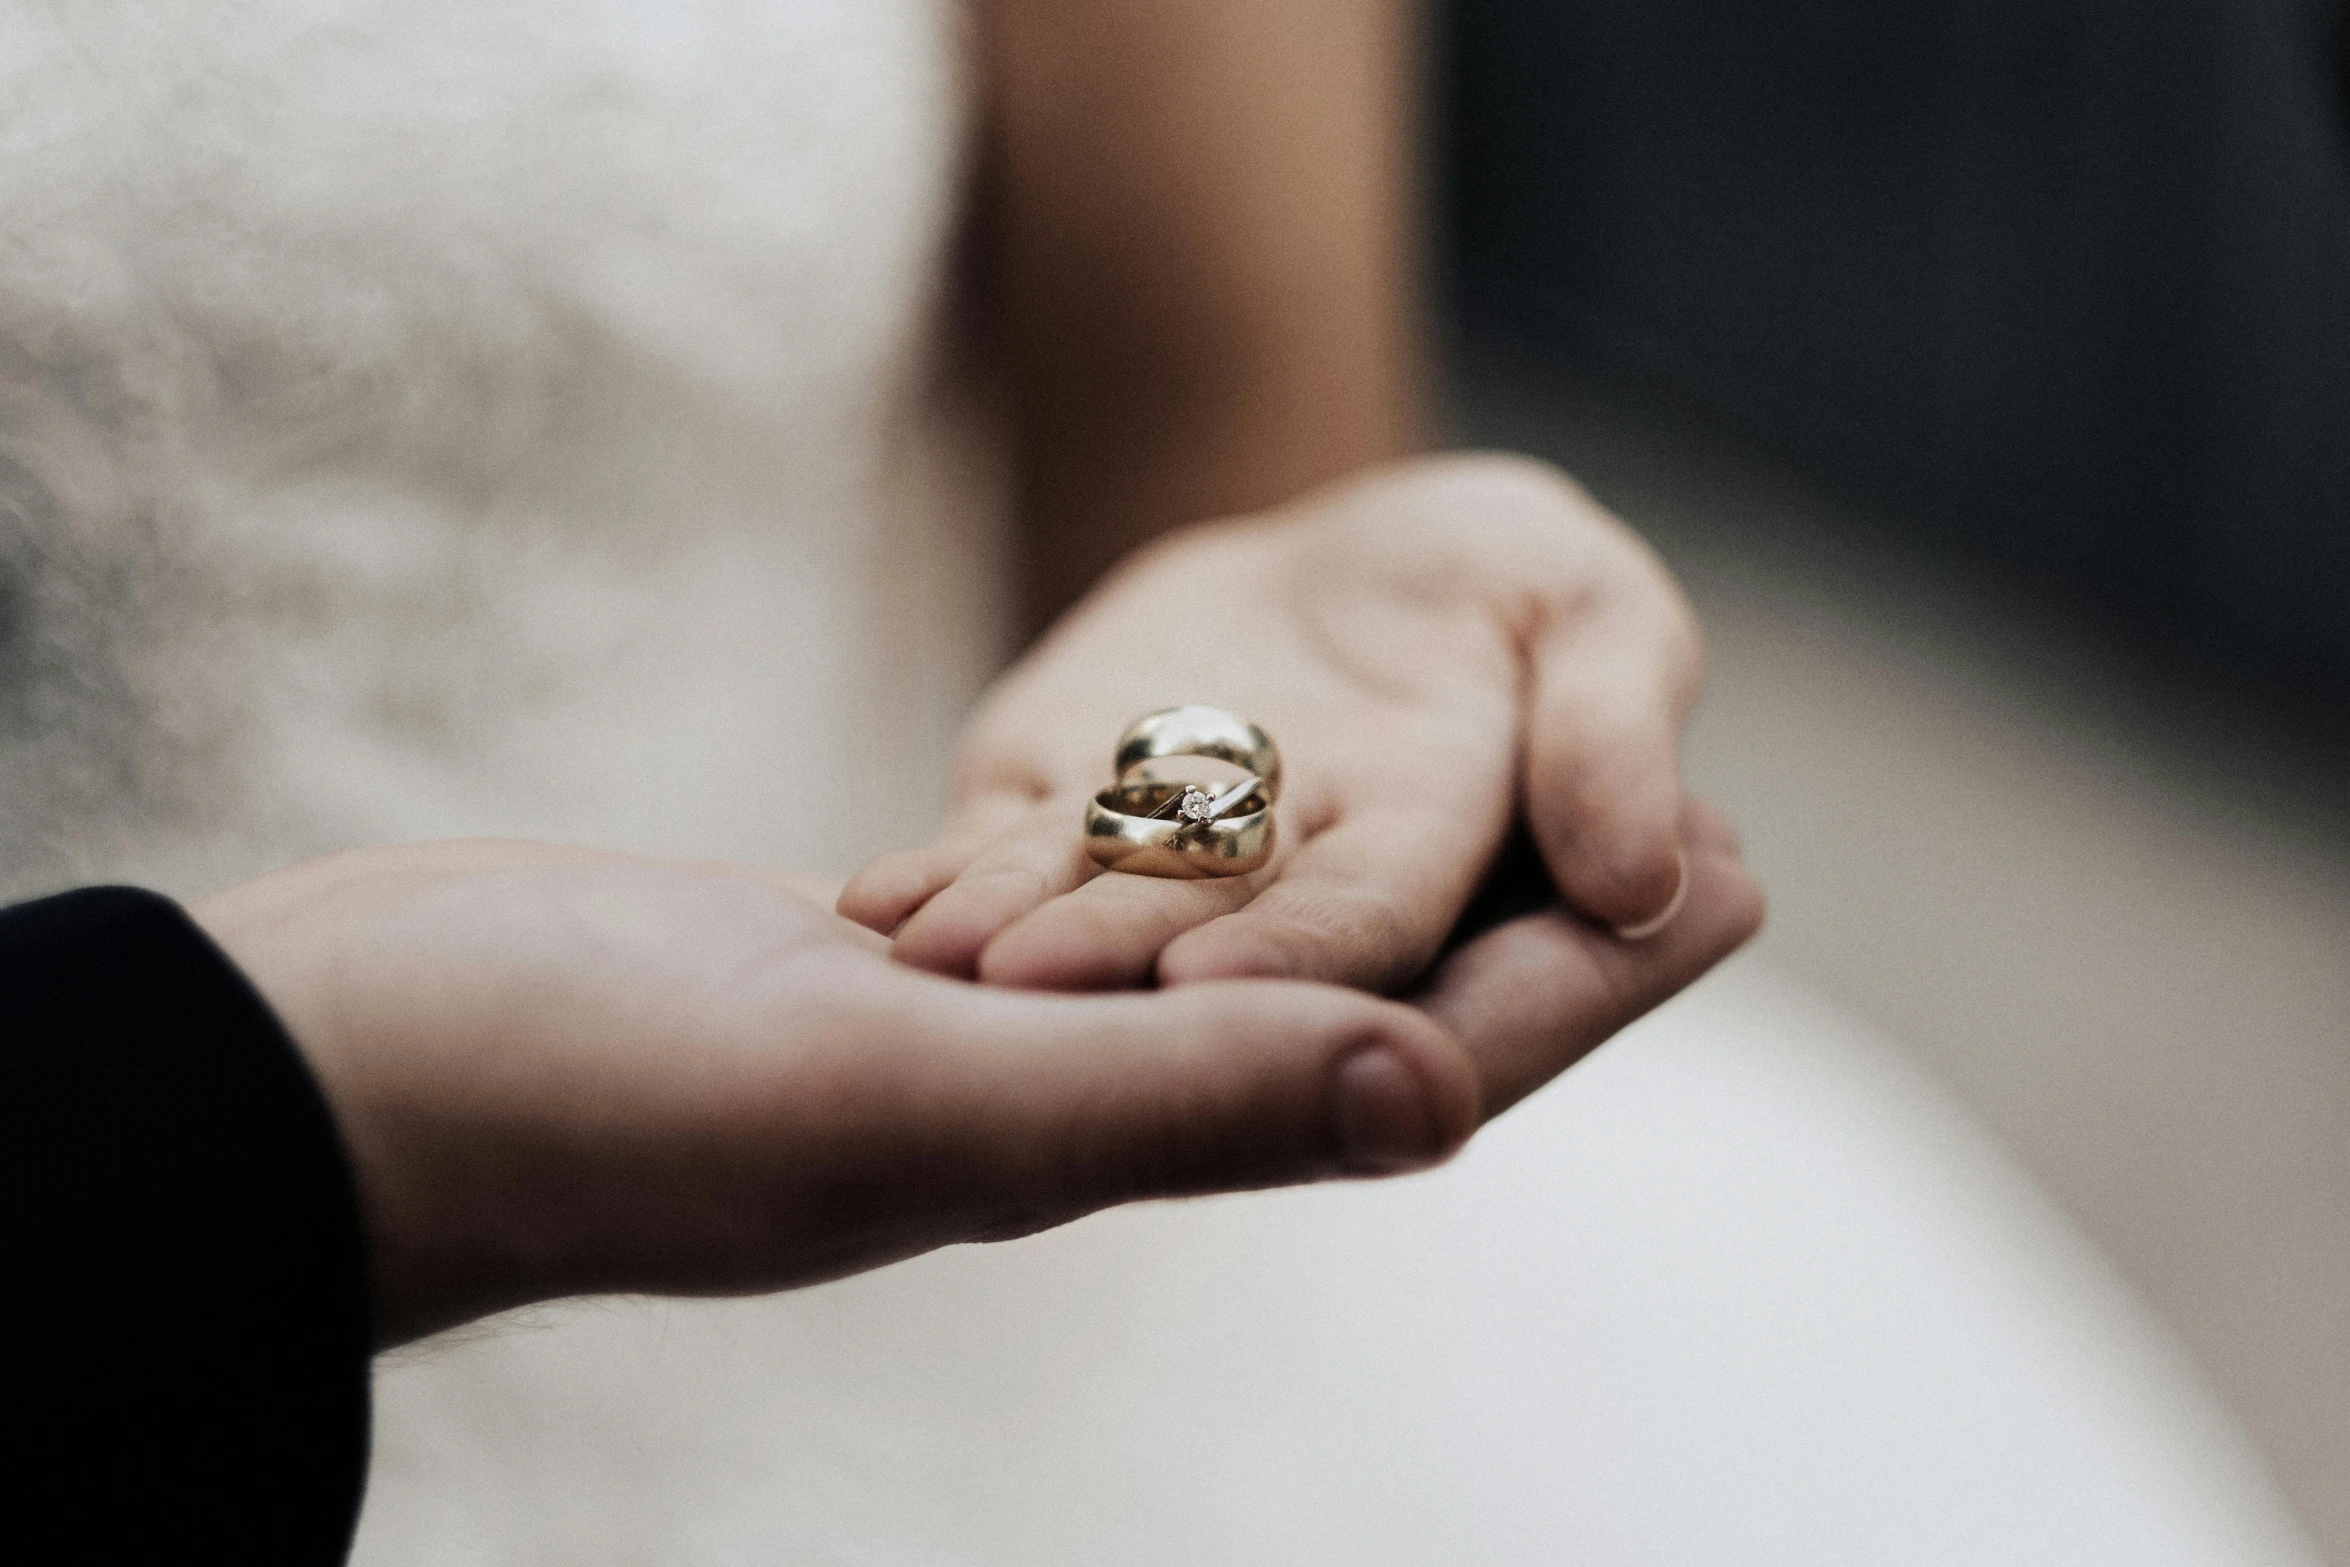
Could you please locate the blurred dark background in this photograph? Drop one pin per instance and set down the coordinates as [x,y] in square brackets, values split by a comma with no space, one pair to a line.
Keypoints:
[1983,369]
[2057,289]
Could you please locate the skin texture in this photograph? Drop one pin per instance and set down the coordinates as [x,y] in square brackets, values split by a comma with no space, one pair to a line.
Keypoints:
[1199,261]
[562,1072]
[1439,648]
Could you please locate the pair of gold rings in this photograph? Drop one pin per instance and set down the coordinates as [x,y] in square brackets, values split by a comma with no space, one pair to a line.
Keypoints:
[1156,820]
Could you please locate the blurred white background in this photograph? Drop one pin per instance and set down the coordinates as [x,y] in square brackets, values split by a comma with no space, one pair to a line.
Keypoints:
[2111,915]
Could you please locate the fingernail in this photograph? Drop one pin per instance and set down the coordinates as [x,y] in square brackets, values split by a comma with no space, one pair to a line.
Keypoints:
[1651,926]
[1384,1121]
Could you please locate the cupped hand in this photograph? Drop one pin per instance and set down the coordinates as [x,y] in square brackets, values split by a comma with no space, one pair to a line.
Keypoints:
[561,1072]
[1439,649]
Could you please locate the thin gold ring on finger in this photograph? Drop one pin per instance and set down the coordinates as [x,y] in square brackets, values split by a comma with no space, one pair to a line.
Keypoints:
[1151,823]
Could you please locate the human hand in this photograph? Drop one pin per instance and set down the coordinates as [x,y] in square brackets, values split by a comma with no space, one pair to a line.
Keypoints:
[1437,648]
[560,1072]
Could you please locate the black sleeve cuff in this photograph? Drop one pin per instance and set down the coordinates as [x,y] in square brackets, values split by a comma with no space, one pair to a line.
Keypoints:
[188,1359]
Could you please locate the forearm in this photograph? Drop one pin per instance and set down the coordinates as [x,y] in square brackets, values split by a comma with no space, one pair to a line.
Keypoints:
[1202,261]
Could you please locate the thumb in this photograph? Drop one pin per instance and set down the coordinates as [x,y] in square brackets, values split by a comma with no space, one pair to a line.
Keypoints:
[1077,1103]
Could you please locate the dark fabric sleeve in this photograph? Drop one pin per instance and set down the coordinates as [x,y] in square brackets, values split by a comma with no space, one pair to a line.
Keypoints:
[187,1336]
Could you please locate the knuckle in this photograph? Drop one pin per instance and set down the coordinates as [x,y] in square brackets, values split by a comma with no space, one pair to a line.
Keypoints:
[1346,933]
[1099,926]
[1007,884]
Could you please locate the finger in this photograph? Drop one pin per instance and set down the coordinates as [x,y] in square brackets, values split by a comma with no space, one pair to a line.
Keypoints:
[1366,903]
[1704,829]
[1037,859]
[1613,684]
[1074,1103]
[1537,994]
[807,886]
[891,888]
[1108,933]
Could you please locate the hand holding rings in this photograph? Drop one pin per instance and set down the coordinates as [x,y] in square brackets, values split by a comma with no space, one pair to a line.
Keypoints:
[1155,822]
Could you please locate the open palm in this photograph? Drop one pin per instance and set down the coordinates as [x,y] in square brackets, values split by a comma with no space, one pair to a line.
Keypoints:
[1439,649]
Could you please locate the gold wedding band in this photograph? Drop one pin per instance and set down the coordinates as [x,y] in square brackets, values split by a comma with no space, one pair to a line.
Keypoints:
[1162,824]
[1199,731]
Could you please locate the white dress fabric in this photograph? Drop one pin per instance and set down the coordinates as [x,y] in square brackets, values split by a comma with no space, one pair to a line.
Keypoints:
[484,416]
[471,417]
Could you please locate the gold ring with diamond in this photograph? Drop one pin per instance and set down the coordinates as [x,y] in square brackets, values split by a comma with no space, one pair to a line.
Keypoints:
[1162,824]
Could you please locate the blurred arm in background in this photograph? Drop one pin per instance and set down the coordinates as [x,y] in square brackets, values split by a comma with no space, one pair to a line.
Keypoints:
[1199,248]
